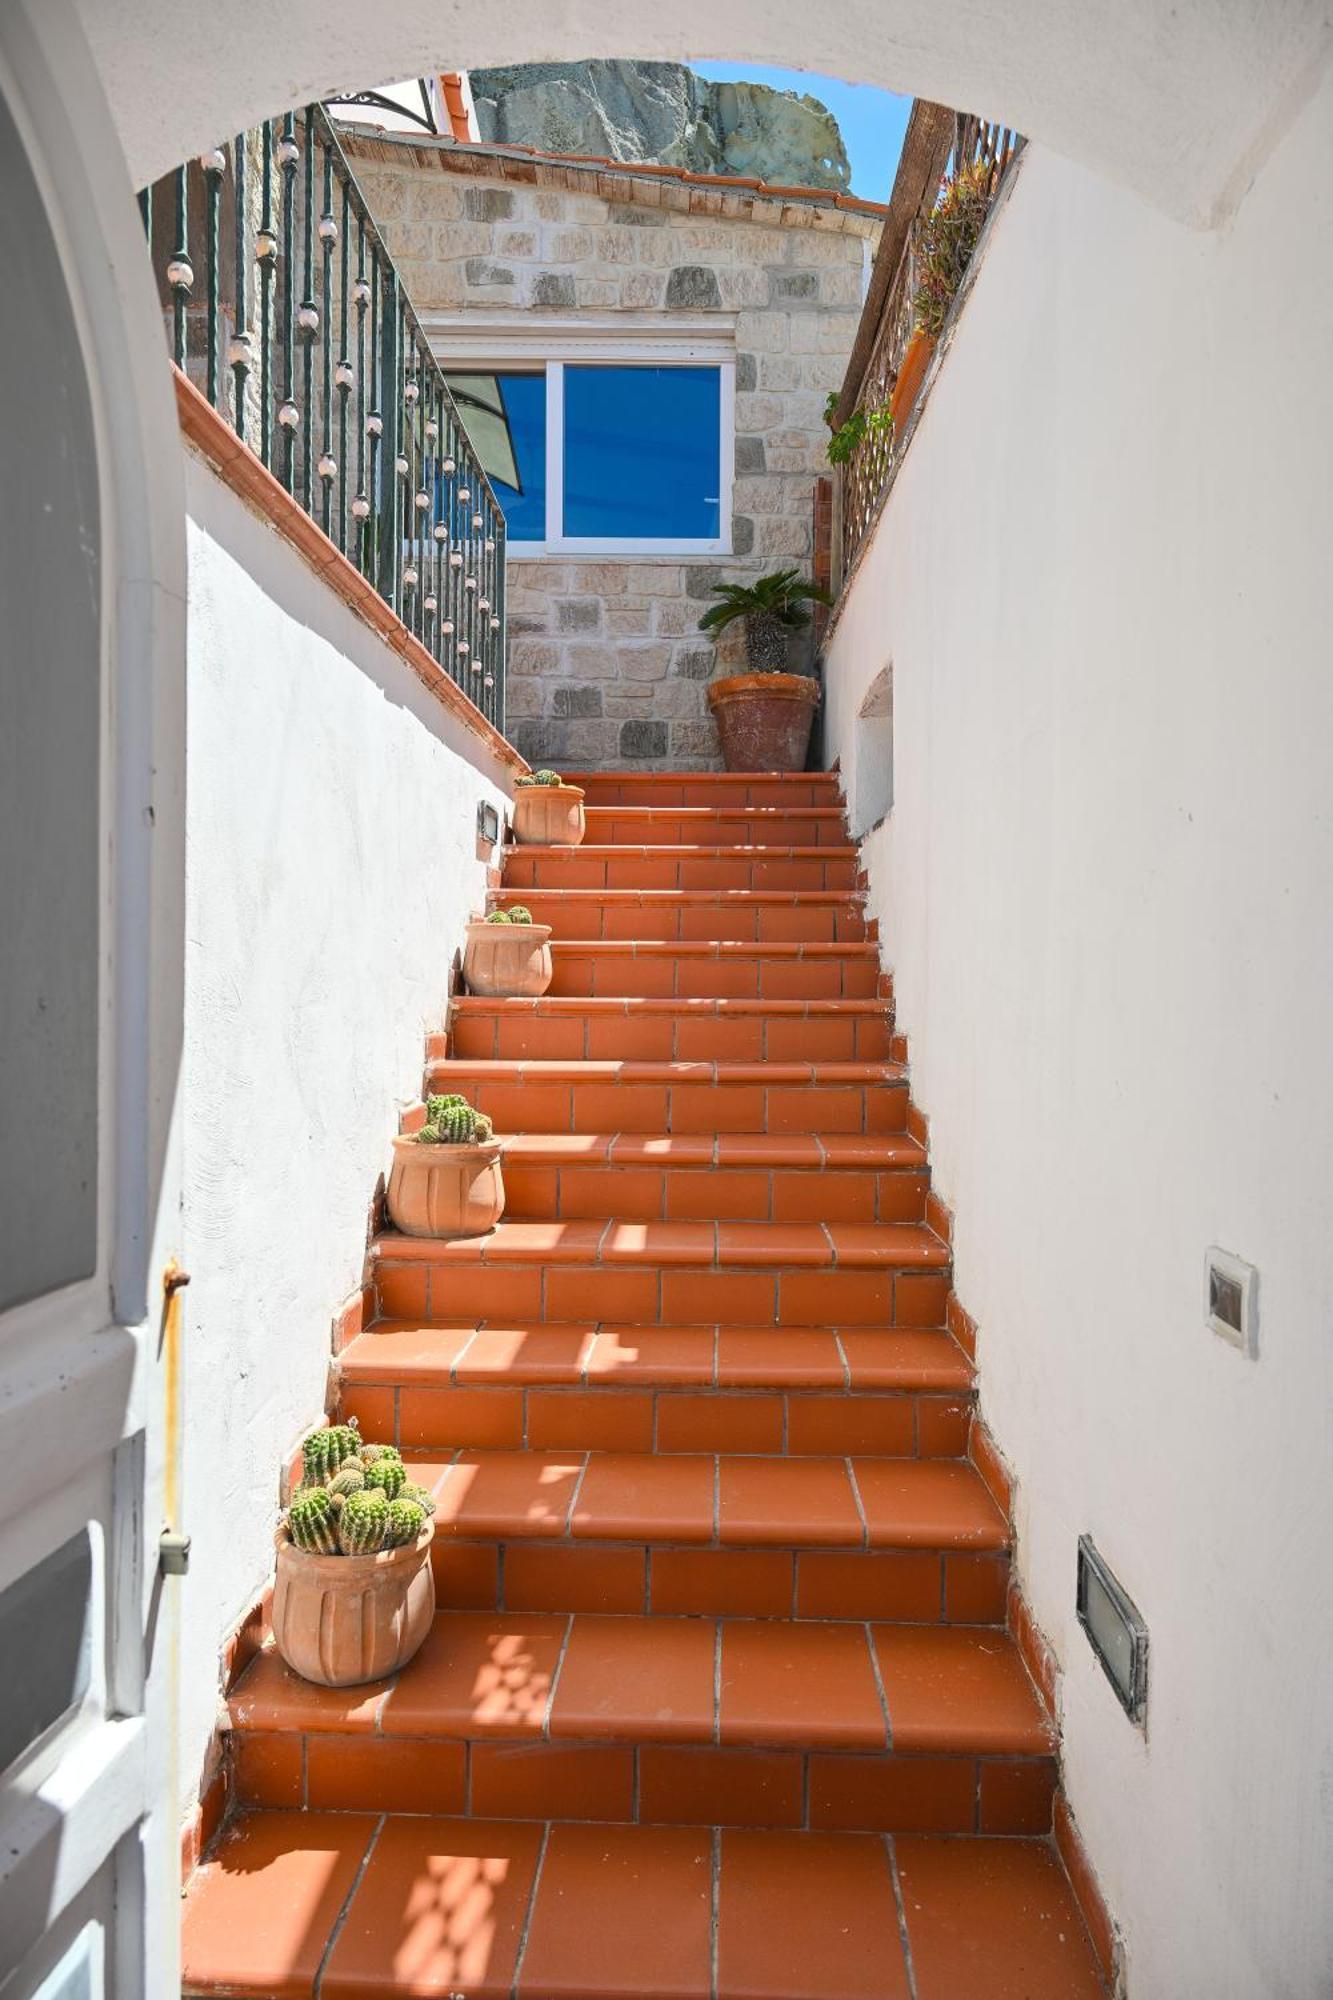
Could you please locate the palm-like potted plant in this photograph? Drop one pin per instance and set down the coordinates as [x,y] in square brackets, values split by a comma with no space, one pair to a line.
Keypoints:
[354,1595]
[445,1180]
[507,955]
[763,717]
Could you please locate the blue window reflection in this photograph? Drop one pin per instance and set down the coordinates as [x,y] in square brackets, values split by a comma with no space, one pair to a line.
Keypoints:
[642,450]
[505,419]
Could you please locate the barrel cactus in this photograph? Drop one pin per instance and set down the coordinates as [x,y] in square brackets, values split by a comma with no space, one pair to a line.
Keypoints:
[499,917]
[451,1121]
[420,1496]
[350,1479]
[520,914]
[403,1523]
[371,1452]
[362,1522]
[325,1451]
[541,778]
[388,1475]
[312,1521]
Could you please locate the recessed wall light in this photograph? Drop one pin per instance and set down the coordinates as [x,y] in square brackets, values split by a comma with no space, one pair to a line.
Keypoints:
[1231,1300]
[1115,1630]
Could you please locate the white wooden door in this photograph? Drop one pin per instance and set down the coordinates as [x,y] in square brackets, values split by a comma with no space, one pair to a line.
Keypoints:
[91,870]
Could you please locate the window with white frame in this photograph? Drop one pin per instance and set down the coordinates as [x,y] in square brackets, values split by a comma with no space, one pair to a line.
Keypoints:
[609,443]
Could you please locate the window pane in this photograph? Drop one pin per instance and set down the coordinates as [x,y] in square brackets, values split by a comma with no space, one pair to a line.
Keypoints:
[642,453]
[505,419]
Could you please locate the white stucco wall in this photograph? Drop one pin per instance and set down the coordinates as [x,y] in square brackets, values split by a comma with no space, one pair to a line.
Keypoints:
[1106,888]
[332,862]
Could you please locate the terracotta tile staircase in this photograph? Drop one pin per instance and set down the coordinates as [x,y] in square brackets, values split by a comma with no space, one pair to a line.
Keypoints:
[724,1673]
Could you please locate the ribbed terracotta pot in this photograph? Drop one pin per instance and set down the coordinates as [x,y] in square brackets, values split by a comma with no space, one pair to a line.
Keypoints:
[338,1620]
[508,961]
[549,815]
[445,1190]
[764,720]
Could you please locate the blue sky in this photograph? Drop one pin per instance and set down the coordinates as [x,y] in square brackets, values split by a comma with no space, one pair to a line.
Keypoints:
[872,121]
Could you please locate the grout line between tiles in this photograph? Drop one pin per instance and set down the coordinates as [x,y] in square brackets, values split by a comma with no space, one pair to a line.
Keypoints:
[317,1985]
[555,1677]
[530,1911]
[717,1681]
[860,1507]
[715,1910]
[879,1686]
[904,1936]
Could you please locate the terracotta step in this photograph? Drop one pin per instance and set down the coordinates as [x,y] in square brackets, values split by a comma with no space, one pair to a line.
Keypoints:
[739,1177]
[696,968]
[621,865]
[708,788]
[791,1274]
[660,1099]
[714,826]
[732,916]
[355,1904]
[584,1028]
[738,1722]
[902,1393]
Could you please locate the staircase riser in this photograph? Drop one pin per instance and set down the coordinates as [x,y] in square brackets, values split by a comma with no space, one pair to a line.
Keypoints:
[698,923]
[711,1194]
[578,869]
[786,1423]
[538,1105]
[647,1784]
[656,1295]
[660,976]
[520,1037]
[724,827]
[714,793]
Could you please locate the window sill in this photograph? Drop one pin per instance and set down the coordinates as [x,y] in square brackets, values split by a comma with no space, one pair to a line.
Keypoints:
[645,552]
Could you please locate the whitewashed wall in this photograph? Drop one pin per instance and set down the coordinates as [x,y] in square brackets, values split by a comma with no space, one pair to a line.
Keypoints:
[1104,583]
[332,862]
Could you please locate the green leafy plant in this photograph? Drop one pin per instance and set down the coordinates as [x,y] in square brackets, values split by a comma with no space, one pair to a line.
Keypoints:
[540,778]
[846,439]
[948,237]
[353,1505]
[773,607]
[452,1121]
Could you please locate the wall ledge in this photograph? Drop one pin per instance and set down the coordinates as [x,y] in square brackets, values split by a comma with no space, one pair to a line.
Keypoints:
[209,433]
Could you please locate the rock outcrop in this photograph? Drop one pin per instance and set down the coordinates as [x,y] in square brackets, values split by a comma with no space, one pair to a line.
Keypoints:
[663,112]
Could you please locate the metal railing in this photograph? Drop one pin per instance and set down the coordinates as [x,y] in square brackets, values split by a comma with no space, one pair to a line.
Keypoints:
[888,357]
[307,343]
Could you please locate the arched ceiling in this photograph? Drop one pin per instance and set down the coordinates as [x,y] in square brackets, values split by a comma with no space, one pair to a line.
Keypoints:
[1179,100]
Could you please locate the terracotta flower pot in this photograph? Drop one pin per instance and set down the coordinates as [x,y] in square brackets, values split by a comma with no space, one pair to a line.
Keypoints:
[911,375]
[508,961]
[445,1190]
[549,815]
[764,720]
[338,1620]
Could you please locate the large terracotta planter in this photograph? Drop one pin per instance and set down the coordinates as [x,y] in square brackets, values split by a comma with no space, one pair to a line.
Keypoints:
[508,961]
[911,375]
[445,1190]
[549,815]
[764,720]
[338,1620]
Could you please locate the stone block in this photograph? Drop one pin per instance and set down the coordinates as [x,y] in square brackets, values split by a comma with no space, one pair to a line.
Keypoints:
[483,276]
[701,579]
[455,241]
[433,200]
[747,372]
[569,700]
[743,288]
[694,664]
[763,332]
[591,663]
[692,287]
[628,621]
[553,288]
[595,292]
[750,454]
[578,614]
[759,413]
[643,739]
[516,243]
[782,535]
[567,246]
[793,288]
[642,289]
[742,534]
[780,372]
[644,663]
[617,246]
[629,215]
[523,696]
[532,656]
[487,204]
[695,739]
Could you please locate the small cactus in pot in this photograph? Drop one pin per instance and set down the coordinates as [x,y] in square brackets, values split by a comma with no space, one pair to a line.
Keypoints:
[445,1180]
[507,956]
[547,811]
[354,1596]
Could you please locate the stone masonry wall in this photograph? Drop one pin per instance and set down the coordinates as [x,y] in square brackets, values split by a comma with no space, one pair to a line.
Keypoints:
[606,663]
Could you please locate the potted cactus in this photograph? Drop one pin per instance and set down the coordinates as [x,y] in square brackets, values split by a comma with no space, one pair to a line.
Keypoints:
[445,1179]
[354,1595]
[507,956]
[547,811]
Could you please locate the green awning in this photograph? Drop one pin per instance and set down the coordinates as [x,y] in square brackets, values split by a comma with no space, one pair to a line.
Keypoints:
[481,405]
